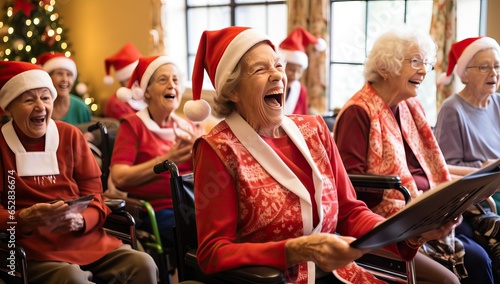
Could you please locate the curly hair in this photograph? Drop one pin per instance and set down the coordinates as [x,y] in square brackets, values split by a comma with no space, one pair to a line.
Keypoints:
[389,51]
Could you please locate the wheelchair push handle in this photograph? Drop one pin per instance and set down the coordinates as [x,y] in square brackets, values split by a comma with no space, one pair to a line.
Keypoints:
[166,165]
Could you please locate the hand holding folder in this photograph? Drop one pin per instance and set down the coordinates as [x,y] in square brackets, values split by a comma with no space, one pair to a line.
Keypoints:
[434,208]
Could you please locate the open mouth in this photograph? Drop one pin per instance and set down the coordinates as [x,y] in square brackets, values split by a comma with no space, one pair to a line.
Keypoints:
[169,96]
[415,82]
[38,119]
[274,99]
[63,86]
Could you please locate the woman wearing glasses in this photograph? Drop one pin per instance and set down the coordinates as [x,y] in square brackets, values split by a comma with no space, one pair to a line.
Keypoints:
[382,130]
[476,62]
[459,131]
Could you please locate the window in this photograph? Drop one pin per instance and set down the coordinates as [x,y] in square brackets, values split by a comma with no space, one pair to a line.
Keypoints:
[353,27]
[356,24]
[269,16]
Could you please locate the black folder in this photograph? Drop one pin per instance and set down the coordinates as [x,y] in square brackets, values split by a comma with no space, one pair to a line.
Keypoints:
[433,208]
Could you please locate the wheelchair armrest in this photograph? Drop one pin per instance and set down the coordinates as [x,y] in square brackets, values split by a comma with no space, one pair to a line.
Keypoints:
[368,182]
[115,204]
[243,275]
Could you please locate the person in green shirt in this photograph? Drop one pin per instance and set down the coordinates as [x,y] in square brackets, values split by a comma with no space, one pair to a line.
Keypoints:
[67,107]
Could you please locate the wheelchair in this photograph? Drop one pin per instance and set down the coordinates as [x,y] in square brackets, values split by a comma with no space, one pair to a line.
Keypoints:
[390,269]
[13,261]
[147,241]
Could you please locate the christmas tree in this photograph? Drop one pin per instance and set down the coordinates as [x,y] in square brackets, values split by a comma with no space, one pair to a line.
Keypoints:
[29,28]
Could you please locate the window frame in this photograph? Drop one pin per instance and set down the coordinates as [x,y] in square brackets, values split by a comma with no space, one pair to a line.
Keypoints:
[233,5]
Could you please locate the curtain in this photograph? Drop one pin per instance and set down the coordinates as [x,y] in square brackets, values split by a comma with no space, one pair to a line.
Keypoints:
[313,16]
[444,32]
[156,32]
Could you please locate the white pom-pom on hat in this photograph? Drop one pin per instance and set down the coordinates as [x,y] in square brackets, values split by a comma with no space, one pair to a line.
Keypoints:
[197,111]
[320,45]
[444,79]
[108,80]
[81,88]
[124,94]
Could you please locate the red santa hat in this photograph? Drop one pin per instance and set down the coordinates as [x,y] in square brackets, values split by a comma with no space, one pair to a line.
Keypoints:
[218,53]
[17,77]
[139,80]
[294,46]
[462,52]
[55,60]
[123,62]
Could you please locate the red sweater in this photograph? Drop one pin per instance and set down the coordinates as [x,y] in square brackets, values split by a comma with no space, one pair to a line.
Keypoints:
[136,144]
[79,176]
[117,109]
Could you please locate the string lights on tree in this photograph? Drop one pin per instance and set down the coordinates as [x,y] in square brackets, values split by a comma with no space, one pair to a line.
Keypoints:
[29,28]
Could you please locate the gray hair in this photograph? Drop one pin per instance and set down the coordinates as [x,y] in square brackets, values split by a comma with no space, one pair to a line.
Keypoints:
[180,77]
[389,51]
[223,105]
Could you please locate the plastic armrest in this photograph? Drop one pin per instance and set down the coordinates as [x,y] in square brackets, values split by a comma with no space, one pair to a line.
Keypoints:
[115,204]
[243,275]
[367,182]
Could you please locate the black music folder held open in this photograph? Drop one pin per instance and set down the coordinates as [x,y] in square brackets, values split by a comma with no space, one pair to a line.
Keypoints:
[433,208]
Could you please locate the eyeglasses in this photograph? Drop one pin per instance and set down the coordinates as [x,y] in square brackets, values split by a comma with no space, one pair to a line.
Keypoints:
[418,63]
[486,68]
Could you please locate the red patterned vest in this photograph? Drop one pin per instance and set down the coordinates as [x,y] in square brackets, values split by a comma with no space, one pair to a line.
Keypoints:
[386,153]
[268,211]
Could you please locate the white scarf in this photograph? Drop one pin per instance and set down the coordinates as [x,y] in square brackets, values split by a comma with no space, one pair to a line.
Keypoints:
[137,104]
[275,166]
[168,134]
[34,163]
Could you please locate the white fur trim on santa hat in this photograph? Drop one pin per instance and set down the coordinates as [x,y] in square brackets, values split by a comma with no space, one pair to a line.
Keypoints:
[125,73]
[22,82]
[471,50]
[60,63]
[296,57]
[151,69]
[234,52]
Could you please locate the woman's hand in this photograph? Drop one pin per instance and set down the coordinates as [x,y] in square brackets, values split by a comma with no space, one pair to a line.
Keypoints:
[436,234]
[42,214]
[182,149]
[70,222]
[328,251]
[488,162]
